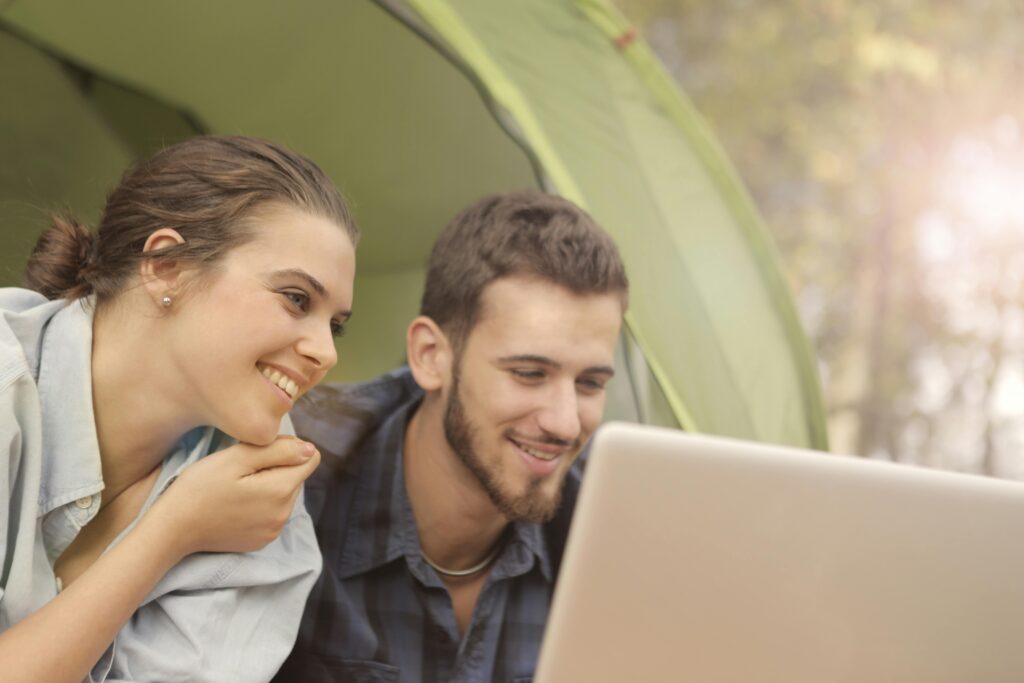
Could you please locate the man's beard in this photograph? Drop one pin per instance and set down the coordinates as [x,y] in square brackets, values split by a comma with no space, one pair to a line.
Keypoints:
[529,506]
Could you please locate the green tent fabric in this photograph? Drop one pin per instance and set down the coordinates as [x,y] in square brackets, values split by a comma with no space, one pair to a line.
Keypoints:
[416,108]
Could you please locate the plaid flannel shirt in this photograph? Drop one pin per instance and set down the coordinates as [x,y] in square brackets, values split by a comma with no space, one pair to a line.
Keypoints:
[379,612]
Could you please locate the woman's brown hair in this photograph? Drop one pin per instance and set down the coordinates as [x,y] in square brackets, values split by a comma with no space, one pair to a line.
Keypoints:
[203,188]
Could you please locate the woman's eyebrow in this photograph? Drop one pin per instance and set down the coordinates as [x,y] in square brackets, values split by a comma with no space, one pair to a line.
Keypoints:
[314,284]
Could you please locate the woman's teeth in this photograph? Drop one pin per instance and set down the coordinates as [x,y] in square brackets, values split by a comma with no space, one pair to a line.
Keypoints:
[288,386]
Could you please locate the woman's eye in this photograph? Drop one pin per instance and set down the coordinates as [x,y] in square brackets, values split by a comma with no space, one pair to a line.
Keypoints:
[297,299]
[337,328]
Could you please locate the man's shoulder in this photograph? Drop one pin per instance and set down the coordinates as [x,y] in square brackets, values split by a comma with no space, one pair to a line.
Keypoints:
[338,418]
[356,427]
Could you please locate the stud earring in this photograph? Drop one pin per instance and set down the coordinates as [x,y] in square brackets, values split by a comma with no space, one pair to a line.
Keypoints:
[166,301]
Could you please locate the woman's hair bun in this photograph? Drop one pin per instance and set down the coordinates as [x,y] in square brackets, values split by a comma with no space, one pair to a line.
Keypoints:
[59,262]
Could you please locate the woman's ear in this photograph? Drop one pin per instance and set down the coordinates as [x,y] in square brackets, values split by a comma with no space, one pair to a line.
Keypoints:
[429,354]
[161,277]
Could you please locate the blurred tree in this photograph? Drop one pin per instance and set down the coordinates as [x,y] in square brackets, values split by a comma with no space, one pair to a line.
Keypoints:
[865,131]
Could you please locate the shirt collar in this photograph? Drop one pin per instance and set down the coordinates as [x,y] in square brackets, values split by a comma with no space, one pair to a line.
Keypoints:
[71,468]
[532,537]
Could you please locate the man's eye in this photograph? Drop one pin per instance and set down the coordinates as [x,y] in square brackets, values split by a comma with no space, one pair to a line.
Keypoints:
[298,299]
[592,385]
[531,375]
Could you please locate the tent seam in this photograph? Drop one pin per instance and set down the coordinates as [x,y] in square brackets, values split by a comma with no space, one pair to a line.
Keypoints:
[638,54]
[732,373]
[450,25]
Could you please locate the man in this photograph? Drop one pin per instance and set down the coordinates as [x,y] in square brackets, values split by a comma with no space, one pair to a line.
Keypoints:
[437,506]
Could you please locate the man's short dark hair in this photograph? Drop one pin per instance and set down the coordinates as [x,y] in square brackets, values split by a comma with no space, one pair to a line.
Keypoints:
[518,233]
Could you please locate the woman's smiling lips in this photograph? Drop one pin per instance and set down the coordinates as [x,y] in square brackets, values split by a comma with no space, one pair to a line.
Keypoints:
[281,379]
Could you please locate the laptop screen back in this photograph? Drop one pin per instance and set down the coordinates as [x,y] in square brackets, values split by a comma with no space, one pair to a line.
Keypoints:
[700,559]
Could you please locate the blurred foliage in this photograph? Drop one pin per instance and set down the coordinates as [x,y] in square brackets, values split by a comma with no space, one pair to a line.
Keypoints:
[881,140]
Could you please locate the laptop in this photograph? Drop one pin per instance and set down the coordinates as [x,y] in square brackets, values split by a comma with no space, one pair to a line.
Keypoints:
[711,560]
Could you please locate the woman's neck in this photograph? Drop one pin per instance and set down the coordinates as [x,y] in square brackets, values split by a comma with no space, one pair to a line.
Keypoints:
[138,417]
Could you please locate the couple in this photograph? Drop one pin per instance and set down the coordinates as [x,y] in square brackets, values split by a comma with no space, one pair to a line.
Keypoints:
[155,528]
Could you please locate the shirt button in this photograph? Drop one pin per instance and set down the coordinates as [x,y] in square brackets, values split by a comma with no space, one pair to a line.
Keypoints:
[84,503]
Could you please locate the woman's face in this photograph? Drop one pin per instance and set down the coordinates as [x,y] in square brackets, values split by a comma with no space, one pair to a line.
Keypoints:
[256,332]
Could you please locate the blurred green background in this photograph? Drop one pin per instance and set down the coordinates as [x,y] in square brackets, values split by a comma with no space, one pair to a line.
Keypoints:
[882,141]
[416,108]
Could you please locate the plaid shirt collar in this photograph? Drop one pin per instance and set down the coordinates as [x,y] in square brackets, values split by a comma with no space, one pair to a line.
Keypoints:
[381,528]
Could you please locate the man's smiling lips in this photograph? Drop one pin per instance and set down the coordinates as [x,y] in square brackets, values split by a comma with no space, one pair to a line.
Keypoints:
[540,460]
[546,453]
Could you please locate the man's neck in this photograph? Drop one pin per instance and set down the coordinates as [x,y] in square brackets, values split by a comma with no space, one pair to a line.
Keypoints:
[457,523]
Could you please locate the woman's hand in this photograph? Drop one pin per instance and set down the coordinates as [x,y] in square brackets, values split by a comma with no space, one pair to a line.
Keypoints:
[237,499]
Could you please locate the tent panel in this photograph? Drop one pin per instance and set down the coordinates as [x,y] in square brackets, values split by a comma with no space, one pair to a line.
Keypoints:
[636,395]
[399,129]
[684,114]
[406,135]
[698,285]
[58,153]
[384,306]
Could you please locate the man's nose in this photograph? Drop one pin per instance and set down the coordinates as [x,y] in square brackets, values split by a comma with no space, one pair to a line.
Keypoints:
[560,417]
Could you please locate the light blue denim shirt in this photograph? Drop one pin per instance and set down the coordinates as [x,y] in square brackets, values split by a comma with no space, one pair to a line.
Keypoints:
[213,617]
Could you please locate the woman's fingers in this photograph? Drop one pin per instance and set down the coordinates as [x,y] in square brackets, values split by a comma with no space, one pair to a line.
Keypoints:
[283,484]
[301,473]
[292,474]
[286,451]
[240,498]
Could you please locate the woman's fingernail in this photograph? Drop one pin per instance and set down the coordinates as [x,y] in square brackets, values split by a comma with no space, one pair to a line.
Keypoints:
[308,449]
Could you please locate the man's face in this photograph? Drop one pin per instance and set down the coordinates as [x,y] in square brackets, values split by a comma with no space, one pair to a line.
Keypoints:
[528,390]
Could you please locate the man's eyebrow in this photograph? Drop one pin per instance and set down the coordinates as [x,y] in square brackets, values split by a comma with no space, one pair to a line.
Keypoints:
[530,358]
[313,283]
[544,360]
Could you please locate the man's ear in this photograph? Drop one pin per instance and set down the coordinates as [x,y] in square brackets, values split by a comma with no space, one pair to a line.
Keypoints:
[429,354]
[161,277]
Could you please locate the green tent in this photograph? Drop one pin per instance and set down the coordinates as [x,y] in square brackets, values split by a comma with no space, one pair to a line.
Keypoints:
[416,108]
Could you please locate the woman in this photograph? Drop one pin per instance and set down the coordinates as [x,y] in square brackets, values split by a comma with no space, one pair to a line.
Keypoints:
[204,305]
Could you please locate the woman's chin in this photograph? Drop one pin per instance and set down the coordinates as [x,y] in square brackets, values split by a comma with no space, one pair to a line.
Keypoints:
[256,434]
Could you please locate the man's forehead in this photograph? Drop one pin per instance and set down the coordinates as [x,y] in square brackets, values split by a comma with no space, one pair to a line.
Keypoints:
[543,320]
[533,294]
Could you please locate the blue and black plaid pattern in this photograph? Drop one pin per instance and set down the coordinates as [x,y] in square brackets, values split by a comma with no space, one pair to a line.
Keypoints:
[379,612]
